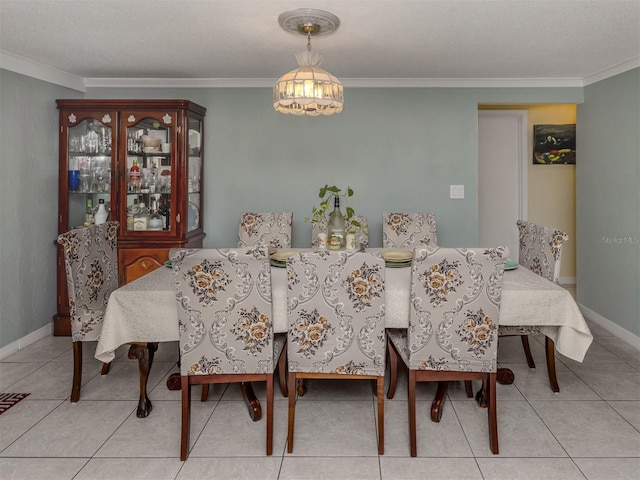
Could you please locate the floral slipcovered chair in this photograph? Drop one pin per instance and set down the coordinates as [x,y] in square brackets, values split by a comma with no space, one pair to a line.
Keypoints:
[540,252]
[409,230]
[361,232]
[91,266]
[336,311]
[453,325]
[225,323]
[271,229]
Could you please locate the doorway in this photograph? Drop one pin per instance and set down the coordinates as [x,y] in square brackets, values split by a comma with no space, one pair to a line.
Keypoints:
[502,177]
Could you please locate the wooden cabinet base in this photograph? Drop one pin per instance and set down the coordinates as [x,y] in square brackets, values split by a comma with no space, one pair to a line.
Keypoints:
[61,326]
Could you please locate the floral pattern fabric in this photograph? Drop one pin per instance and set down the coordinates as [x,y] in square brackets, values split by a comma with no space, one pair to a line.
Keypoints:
[454,313]
[224,311]
[206,280]
[408,230]
[541,249]
[440,280]
[336,313]
[271,229]
[91,267]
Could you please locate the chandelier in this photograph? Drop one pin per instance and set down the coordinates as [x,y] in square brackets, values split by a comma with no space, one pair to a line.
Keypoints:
[308,90]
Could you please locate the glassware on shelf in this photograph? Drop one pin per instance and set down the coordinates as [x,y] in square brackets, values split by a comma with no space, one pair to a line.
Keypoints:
[84,175]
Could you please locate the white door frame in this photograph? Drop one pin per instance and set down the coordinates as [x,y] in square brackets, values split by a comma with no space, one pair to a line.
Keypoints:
[522,117]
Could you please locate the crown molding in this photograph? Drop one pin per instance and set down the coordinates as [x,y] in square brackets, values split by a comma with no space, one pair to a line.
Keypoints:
[24,66]
[610,72]
[40,71]
[347,82]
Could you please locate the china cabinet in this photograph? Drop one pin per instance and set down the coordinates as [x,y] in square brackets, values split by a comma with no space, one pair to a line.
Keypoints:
[142,159]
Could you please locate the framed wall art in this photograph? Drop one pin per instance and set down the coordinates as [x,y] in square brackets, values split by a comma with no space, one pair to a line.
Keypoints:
[554,144]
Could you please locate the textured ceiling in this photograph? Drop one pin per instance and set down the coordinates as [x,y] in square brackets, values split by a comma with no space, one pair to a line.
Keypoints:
[377,39]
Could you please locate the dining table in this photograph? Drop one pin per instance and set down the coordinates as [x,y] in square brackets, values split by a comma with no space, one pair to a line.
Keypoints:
[144,312]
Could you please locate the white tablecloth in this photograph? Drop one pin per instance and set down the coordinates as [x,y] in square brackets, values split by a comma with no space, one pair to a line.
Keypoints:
[145,310]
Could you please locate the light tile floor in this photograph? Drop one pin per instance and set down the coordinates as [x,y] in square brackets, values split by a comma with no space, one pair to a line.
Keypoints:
[590,430]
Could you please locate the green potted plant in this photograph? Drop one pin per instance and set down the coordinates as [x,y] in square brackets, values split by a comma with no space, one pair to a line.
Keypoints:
[327,195]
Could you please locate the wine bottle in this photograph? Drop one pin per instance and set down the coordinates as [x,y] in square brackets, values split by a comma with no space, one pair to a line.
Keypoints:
[155,219]
[88,215]
[335,227]
[101,214]
[164,211]
[134,177]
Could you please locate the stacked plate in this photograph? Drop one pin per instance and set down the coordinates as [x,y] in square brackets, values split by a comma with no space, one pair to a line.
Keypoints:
[510,264]
[397,258]
[279,258]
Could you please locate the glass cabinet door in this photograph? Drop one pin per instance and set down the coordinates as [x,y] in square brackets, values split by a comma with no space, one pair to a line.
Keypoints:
[89,167]
[148,173]
[194,167]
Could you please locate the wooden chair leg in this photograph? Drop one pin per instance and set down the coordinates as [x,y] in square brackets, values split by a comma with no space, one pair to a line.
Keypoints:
[550,349]
[269,414]
[493,414]
[105,368]
[77,372]
[282,372]
[292,413]
[393,369]
[186,417]
[412,413]
[205,392]
[527,350]
[380,397]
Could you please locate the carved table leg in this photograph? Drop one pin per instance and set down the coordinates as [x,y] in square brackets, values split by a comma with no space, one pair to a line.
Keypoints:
[505,376]
[301,387]
[174,382]
[438,400]
[482,396]
[253,404]
[144,353]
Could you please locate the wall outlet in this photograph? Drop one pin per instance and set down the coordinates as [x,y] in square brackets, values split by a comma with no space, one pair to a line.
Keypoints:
[456,191]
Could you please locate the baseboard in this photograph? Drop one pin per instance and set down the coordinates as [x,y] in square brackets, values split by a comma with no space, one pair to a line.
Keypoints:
[27,340]
[617,331]
[567,280]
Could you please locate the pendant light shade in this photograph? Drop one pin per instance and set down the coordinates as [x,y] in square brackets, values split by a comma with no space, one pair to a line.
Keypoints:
[309,89]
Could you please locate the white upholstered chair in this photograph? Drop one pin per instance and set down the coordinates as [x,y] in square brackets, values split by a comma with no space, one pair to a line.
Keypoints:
[225,324]
[336,311]
[91,266]
[453,325]
[268,228]
[409,230]
[540,252]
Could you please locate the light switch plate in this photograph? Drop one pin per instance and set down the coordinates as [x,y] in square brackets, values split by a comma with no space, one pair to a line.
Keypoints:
[456,191]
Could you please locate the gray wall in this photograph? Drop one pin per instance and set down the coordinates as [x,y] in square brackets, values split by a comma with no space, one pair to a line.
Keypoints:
[28,203]
[398,148]
[608,200]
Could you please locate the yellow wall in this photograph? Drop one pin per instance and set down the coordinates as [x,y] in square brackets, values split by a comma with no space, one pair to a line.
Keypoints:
[551,188]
